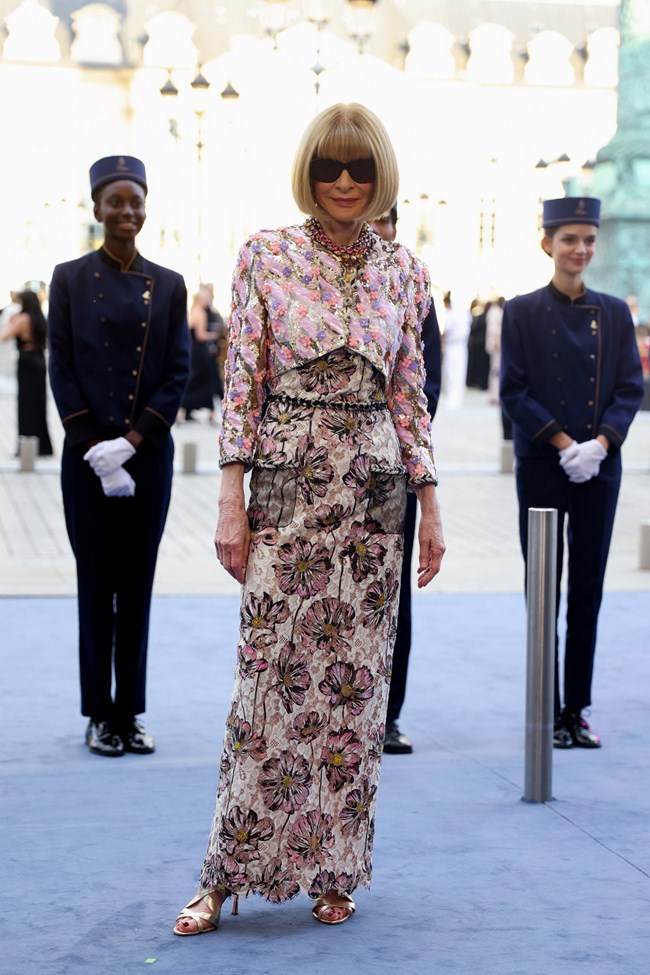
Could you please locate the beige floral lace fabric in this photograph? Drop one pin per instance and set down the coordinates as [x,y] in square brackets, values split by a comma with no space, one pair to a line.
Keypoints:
[301,761]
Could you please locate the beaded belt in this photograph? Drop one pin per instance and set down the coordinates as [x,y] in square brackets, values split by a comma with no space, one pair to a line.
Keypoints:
[325,403]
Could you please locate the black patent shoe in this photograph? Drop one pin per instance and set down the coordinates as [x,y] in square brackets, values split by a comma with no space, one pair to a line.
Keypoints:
[102,740]
[581,734]
[395,743]
[561,734]
[137,739]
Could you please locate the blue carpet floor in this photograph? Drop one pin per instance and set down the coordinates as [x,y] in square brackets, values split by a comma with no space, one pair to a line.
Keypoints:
[97,856]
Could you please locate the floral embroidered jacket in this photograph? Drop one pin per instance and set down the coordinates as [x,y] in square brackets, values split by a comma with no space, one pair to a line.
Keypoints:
[292,303]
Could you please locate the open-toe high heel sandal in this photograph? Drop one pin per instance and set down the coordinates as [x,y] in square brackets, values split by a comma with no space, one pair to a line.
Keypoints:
[204,918]
[325,903]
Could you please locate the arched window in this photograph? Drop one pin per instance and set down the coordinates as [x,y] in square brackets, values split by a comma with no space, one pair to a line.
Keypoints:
[96,28]
[550,60]
[170,42]
[31,34]
[601,69]
[430,52]
[491,58]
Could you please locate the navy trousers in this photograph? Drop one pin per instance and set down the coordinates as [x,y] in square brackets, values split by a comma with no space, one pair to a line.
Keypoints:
[402,648]
[115,542]
[587,510]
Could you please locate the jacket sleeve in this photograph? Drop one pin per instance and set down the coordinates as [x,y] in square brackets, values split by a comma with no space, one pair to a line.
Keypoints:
[245,367]
[537,423]
[406,396]
[159,412]
[78,419]
[628,391]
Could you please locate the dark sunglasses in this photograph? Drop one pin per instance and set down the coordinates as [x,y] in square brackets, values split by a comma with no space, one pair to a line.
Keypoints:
[329,170]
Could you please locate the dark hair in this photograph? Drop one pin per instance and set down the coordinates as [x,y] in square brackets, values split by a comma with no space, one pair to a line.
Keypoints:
[31,306]
[390,217]
[550,232]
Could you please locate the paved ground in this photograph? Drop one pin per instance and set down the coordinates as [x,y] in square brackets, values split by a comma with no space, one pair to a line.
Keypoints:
[98,856]
[478,504]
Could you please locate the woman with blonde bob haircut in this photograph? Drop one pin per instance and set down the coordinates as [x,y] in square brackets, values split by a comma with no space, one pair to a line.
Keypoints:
[347,132]
[324,403]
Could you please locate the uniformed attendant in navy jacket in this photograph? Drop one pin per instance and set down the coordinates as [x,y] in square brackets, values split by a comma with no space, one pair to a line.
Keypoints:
[571,383]
[395,742]
[119,362]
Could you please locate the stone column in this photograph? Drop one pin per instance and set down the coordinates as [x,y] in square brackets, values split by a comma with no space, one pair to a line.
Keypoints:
[621,176]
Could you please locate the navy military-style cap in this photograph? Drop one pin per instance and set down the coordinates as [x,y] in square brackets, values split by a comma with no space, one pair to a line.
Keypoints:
[571,209]
[111,168]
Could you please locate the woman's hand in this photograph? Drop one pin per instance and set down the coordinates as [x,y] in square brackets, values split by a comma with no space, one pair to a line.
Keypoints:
[430,537]
[232,537]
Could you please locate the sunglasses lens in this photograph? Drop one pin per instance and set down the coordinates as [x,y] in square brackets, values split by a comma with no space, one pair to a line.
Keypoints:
[325,170]
[361,170]
[329,170]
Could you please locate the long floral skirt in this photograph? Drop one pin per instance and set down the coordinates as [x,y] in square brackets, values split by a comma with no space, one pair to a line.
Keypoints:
[300,766]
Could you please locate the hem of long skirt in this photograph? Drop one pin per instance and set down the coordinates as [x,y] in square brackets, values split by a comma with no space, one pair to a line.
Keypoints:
[277,897]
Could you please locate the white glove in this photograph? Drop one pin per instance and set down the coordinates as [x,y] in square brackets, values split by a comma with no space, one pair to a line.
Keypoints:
[584,463]
[568,454]
[118,484]
[108,455]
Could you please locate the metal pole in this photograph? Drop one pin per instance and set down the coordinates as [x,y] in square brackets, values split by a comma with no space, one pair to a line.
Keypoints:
[27,451]
[189,458]
[507,457]
[540,671]
[644,562]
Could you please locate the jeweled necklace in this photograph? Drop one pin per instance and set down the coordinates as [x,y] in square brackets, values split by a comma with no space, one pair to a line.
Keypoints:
[345,252]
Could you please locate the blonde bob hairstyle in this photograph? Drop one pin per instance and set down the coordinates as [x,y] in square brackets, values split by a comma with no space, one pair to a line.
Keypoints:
[346,132]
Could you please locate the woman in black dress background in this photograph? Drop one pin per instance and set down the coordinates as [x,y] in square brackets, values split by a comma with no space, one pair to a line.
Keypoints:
[206,329]
[28,328]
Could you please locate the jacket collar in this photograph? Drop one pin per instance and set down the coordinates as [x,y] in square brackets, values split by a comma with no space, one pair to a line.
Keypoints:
[135,265]
[564,299]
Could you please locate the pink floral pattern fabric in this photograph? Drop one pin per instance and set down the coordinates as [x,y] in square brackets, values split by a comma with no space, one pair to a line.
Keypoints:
[293,303]
[301,761]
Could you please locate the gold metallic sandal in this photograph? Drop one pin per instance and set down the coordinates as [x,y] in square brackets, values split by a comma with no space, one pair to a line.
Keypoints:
[327,901]
[204,918]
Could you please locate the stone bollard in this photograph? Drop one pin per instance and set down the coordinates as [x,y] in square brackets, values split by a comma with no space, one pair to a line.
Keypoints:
[27,451]
[189,458]
[645,545]
[507,457]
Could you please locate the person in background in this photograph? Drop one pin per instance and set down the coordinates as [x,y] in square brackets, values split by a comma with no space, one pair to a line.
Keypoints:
[633,305]
[455,333]
[27,326]
[10,310]
[204,381]
[396,743]
[218,332]
[119,362]
[571,384]
[478,361]
[642,339]
[493,319]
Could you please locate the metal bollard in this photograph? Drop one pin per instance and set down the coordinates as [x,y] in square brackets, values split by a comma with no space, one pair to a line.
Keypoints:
[27,451]
[644,561]
[540,660]
[507,457]
[189,458]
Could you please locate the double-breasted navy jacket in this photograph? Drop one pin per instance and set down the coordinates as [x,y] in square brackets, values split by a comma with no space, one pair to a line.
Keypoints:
[569,366]
[118,347]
